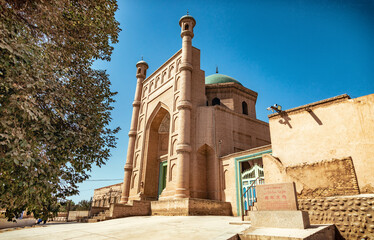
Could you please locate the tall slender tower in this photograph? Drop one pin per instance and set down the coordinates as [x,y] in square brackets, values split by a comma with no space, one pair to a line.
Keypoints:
[141,71]
[187,23]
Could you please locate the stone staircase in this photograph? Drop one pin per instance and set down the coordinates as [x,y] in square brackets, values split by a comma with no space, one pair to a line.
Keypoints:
[118,210]
[101,216]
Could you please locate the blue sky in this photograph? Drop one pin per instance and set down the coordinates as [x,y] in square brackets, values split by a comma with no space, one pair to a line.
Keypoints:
[292,52]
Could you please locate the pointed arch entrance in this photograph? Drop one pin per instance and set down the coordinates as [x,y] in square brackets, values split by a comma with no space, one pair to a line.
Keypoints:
[157,144]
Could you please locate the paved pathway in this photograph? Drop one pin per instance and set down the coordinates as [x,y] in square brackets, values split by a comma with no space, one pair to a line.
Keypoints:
[152,227]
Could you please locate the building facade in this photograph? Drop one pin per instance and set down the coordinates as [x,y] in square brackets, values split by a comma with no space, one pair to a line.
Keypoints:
[182,122]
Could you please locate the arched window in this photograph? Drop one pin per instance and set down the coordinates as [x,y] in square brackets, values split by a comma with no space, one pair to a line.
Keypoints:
[216,101]
[139,70]
[186,27]
[245,108]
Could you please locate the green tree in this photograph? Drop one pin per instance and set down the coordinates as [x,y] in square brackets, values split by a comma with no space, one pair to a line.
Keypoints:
[66,205]
[83,205]
[54,107]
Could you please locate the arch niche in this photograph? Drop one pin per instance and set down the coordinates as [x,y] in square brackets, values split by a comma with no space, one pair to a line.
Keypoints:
[206,181]
[158,130]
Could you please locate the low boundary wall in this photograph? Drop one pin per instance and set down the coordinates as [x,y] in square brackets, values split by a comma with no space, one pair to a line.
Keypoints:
[352,215]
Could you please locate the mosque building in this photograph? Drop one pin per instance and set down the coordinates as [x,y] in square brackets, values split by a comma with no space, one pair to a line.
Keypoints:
[182,123]
[195,145]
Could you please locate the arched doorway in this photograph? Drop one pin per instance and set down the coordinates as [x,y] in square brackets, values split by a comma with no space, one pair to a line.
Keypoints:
[157,154]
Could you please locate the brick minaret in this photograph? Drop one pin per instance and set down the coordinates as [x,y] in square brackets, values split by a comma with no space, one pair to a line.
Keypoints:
[141,67]
[183,149]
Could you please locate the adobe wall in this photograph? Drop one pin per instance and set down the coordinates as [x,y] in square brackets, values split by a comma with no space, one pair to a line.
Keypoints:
[335,128]
[75,215]
[326,178]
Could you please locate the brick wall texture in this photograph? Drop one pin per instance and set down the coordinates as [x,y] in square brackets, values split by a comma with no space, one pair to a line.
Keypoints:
[352,215]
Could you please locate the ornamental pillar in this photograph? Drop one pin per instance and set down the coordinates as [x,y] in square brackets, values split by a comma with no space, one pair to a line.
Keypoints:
[141,67]
[184,106]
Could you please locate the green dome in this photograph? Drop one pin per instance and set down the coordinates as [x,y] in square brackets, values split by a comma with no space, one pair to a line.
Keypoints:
[220,78]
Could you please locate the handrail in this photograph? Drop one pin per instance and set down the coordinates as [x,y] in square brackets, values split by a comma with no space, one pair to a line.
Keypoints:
[241,198]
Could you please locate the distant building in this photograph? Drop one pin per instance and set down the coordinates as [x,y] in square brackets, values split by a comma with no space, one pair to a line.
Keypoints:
[107,195]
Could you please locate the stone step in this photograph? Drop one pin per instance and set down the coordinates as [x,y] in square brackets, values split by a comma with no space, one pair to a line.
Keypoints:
[135,208]
[107,213]
[101,216]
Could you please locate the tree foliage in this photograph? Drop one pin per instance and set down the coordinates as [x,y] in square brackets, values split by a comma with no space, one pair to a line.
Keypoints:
[54,107]
[83,205]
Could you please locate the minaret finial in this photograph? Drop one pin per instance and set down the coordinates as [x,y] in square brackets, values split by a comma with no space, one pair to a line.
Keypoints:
[187,12]
[216,69]
[142,58]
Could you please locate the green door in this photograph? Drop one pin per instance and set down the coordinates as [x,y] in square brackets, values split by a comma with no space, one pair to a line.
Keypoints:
[162,177]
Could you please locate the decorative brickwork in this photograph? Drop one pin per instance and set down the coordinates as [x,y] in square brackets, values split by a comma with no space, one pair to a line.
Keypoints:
[104,196]
[352,215]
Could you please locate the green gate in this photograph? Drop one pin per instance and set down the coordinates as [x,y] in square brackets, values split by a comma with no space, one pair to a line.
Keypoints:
[162,177]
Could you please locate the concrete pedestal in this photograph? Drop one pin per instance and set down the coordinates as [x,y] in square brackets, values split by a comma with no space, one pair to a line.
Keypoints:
[280,219]
[315,232]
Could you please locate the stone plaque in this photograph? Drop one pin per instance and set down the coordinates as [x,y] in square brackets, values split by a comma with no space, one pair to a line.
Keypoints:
[274,197]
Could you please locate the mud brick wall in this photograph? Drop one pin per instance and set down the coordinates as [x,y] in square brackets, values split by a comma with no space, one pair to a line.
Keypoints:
[325,178]
[352,215]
